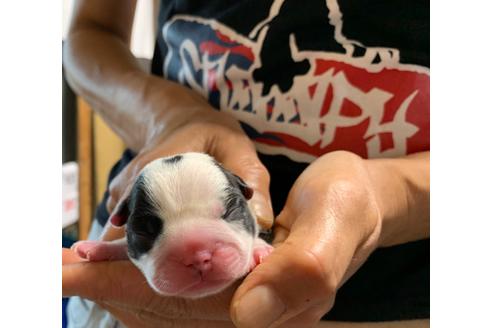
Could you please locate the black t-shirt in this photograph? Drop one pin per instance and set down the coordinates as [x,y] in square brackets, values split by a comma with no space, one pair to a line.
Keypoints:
[305,78]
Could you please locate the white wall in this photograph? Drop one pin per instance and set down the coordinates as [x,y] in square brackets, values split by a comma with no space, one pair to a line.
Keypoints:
[143,32]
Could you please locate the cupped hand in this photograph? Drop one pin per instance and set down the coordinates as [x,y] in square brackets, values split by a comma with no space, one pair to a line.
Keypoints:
[120,288]
[329,226]
[207,131]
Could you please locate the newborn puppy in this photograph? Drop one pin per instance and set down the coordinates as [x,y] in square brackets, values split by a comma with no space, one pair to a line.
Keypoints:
[188,227]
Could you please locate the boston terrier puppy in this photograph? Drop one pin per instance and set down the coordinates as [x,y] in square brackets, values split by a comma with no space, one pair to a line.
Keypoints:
[188,227]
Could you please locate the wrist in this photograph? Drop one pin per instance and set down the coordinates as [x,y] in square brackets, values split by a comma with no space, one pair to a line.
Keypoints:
[390,191]
[401,187]
[167,106]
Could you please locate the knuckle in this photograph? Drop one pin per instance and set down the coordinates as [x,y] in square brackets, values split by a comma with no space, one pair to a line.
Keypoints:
[343,155]
[184,308]
[114,189]
[311,270]
[253,167]
[175,308]
[347,189]
[140,315]
[261,168]
[326,280]
[110,204]
[348,193]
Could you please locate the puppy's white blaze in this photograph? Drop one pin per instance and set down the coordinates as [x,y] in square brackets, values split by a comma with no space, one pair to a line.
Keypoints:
[147,266]
[187,188]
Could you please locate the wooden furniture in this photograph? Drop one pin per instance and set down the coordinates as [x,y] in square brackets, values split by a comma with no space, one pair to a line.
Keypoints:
[98,149]
[85,159]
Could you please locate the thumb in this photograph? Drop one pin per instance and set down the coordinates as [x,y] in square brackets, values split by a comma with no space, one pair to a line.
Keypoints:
[301,275]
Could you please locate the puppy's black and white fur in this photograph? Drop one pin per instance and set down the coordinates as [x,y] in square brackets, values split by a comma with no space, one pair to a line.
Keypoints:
[188,226]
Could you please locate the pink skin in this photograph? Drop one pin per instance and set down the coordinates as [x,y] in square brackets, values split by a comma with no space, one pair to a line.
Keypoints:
[260,251]
[101,250]
[200,265]
[205,267]
[195,266]
[198,262]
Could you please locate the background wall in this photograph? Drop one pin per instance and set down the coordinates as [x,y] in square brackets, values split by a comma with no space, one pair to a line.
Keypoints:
[144,26]
[107,146]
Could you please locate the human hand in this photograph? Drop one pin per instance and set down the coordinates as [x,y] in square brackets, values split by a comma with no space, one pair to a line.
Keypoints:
[320,242]
[206,131]
[120,288]
[124,291]
[330,224]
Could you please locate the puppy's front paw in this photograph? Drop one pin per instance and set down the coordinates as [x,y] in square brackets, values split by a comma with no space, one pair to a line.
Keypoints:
[101,250]
[260,251]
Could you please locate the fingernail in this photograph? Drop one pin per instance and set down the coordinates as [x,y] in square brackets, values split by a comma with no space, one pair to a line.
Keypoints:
[259,307]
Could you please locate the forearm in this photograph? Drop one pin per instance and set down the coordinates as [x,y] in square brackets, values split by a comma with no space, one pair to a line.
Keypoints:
[101,68]
[402,187]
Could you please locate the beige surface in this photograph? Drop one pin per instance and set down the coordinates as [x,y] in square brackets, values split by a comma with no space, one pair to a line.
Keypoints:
[98,149]
[107,150]
[84,158]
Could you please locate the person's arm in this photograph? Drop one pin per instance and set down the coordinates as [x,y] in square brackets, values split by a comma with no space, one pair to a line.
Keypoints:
[147,111]
[340,209]
[101,68]
[338,212]
[403,189]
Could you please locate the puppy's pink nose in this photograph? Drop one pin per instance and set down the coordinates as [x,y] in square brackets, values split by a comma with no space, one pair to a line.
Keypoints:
[200,260]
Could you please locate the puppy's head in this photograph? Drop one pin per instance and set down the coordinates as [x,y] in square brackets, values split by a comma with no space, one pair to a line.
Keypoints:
[189,228]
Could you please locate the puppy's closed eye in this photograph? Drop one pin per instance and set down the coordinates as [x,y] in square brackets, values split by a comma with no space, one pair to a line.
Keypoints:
[142,232]
[149,225]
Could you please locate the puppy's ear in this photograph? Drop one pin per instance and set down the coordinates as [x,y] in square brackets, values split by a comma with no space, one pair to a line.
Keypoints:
[236,181]
[246,190]
[120,214]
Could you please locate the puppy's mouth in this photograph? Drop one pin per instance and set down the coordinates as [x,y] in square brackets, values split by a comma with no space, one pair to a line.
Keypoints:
[172,278]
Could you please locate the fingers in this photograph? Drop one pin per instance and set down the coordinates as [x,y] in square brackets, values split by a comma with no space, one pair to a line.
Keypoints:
[101,280]
[129,318]
[111,232]
[149,319]
[287,283]
[69,256]
[243,161]
[230,147]
[120,186]
[326,231]
[309,318]
[302,273]
[121,283]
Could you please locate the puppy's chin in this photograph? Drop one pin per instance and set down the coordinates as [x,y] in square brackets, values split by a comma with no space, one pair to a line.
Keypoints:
[201,289]
[182,284]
